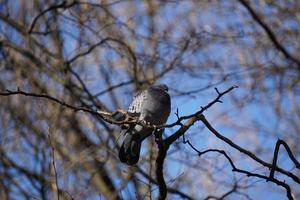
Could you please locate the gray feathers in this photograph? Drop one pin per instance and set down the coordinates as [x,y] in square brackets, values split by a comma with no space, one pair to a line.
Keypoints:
[152,105]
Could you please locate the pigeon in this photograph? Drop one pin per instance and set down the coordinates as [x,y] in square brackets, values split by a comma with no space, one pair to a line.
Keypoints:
[152,106]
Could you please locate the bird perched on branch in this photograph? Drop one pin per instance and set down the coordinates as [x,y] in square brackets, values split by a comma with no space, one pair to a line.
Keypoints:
[153,106]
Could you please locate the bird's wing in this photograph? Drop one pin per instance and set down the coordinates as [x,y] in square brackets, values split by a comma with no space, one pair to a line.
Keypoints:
[136,105]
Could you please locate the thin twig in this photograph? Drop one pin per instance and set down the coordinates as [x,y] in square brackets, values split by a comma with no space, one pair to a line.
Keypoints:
[113,87]
[53,164]
[102,114]
[193,117]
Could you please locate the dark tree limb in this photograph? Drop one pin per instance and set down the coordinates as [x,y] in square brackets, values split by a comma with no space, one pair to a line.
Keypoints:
[162,152]
[194,117]
[276,151]
[248,173]
[246,152]
[163,145]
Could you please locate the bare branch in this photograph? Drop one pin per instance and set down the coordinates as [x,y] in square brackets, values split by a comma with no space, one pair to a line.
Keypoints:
[102,114]
[269,32]
[248,173]
[53,164]
[193,118]
[276,151]
[107,116]
[246,152]
[113,87]
[163,145]
[170,189]
[63,4]
[162,152]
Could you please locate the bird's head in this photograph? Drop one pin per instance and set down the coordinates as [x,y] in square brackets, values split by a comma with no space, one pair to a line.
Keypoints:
[163,87]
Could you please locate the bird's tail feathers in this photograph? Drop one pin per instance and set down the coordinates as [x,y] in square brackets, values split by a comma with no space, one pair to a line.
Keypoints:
[130,149]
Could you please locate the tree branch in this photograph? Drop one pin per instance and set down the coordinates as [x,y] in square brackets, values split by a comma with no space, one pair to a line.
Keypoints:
[276,151]
[162,152]
[269,33]
[163,145]
[235,169]
[248,153]
[170,189]
[53,164]
[106,116]
[63,4]
[194,117]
